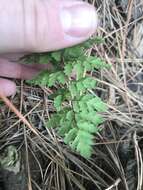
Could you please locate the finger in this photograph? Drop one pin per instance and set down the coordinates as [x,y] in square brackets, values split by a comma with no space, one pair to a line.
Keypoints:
[12,56]
[19,71]
[44,25]
[7,87]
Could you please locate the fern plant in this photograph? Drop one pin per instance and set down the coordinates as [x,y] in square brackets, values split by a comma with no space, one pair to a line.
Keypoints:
[77,112]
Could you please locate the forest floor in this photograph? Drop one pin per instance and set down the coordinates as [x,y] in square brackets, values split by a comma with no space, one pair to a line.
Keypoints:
[41,161]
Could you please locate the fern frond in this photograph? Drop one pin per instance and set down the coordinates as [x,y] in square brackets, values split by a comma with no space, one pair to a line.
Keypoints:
[78,121]
[87,126]
[68,68]
[58,102]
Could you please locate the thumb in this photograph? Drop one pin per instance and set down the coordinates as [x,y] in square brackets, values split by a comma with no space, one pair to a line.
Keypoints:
[44,25]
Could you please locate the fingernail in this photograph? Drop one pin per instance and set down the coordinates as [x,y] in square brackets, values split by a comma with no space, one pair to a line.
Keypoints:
[79,20]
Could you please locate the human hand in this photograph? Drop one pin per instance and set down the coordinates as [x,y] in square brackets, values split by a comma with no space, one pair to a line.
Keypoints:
[39,26]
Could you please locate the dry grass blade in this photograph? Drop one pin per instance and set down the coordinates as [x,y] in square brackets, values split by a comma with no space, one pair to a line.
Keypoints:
[139,163]
[114,185]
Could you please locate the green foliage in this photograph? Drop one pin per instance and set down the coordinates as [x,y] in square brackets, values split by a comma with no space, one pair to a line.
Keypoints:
[78,121]
[68,69]
[58,102]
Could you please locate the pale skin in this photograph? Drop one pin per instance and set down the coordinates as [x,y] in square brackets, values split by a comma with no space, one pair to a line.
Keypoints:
[28,26]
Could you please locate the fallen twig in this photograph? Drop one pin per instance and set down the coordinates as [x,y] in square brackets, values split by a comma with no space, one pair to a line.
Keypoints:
[15,110]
